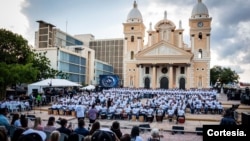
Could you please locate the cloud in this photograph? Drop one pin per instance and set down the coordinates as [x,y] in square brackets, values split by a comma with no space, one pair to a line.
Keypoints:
[13,19]
[230,34]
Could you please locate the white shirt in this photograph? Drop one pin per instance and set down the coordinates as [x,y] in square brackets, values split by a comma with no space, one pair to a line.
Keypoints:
[80,111]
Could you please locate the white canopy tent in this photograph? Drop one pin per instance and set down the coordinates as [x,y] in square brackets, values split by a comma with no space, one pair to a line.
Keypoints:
[89,87]
[51,83]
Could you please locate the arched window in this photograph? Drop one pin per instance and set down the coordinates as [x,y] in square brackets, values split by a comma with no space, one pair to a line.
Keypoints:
[200,53]
[132,38]
[200,82]
[132,55]
[200,36]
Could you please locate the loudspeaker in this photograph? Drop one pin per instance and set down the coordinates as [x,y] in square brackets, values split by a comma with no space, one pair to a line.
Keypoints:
[199,130]
[144,127]
[245,118]
[177,129]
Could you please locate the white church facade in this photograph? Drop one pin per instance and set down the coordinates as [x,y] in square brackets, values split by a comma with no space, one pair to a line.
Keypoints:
[165,61]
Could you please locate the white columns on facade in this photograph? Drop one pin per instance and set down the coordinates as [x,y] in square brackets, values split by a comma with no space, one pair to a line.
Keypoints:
[192,43]
[208,44]
[171,76]
[141,76]
[188,76]
[154,77]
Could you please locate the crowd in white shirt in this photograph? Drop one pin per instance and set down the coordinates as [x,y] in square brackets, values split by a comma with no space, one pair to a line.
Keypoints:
[127,102]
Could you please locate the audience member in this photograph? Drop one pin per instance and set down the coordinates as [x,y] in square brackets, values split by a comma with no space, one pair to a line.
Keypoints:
[135,134]
[155,136]
[54,136]
[116,129]
[87,138]
[125,137]
[16,120]
[3,118]
[38,124]
[64,129]
[80,129]
[19,130]
[96,126]
[3,135]
[50,125]
[228,118]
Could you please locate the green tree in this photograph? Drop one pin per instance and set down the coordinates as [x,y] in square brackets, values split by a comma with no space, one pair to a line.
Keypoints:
[15,57]
[223,75]
[42,63]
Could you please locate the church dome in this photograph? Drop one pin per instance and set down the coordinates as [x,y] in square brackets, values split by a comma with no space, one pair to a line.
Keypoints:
[200,10]
[134,15]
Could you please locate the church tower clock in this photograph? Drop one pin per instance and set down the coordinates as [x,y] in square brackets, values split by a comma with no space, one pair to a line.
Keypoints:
[200,29]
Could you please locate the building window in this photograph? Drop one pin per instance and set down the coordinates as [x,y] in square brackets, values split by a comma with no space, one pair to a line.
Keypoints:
[132,55]
[182,70]
[147,70]
[132,38]
[200,53]
[132,28]
[200,36]
[200,81]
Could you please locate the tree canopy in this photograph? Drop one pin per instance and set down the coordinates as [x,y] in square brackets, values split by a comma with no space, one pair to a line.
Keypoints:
[223,75]
[19,63]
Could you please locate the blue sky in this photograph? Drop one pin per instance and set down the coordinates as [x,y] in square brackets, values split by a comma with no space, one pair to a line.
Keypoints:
[230,35]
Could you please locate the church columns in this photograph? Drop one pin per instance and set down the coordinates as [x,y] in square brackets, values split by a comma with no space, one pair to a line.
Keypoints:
[192,43]
[141,77]
[188,76]
[154,77]
[171,76]
[208,44]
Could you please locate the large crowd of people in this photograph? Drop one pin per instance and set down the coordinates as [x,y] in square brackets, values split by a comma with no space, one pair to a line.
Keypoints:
[121,103]
[115,103]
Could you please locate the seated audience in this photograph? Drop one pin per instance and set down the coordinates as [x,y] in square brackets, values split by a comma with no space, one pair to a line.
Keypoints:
[228,118]
[64,128]
[50,125]
[116,129]
[16,120]
[96,126]
[54,136]
[80,129]
[3,134]
[155,136]
[4,121]
[135,134]
[38,124]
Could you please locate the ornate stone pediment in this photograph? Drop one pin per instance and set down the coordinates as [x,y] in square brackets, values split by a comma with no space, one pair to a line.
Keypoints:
[163,50]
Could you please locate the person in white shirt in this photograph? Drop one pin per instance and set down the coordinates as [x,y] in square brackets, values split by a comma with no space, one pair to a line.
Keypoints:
[80,112]
[127,111]
[180,113]
[170,113]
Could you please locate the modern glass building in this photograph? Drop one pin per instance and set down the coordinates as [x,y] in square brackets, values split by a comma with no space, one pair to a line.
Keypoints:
[110,51]
[73,65]
[102,68]
[69,55]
